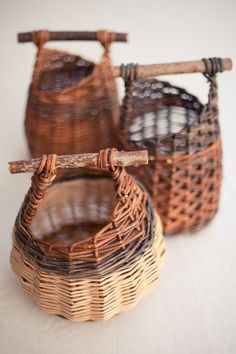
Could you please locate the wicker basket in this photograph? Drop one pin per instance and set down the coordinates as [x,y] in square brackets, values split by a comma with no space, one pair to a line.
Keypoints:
[88,253]
[72,103]
[183,139]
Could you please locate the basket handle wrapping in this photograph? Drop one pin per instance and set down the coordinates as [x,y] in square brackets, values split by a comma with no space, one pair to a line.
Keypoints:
[106,38]
[45,173]
[43,36]
[41,180]
[212,67]
[129,74]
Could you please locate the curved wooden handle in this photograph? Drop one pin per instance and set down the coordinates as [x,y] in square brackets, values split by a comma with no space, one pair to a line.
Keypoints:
[71,36]
[183,67]
[120,158]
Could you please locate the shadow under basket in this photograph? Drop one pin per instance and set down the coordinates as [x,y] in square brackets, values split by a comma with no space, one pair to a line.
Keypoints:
[93,249]
[72,102]
[183,139]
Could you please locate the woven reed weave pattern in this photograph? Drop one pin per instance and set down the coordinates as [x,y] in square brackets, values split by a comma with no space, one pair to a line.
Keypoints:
[83,207]
[92,298]
[93,251]
[72,103]
[183,139]
[186,192]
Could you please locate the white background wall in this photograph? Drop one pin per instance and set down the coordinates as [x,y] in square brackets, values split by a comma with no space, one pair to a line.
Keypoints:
[193,310]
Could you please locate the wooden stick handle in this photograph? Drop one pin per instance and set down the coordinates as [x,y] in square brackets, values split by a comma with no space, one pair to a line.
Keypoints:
[183,67]
[120,158]
[71,36]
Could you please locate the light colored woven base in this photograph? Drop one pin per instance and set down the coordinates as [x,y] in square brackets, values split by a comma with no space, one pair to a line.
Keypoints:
[91,298]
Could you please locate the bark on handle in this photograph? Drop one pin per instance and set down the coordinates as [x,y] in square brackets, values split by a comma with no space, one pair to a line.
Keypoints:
[120,158]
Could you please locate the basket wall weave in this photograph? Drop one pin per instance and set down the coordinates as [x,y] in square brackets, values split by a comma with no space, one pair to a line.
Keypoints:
[72,103]
[87,253]
[183,138]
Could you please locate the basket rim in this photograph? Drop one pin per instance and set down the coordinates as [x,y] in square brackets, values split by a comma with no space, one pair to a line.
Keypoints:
[65,265]
[113,224]
[80,85]
[167,83]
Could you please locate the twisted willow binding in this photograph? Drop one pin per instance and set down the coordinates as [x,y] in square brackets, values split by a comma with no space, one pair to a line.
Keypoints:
[72,103]
[96,252]
[183,139]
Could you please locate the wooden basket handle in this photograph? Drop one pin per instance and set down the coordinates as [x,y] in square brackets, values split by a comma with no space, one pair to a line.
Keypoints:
[43,36]
[120,158]
[45,172]
[209,66]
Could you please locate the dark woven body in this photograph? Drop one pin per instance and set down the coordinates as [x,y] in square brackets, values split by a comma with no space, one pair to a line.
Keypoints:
[72,103]
[183,139]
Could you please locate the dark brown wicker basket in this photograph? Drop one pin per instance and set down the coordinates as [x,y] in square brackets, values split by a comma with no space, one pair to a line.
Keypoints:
[183,139]
[72,104]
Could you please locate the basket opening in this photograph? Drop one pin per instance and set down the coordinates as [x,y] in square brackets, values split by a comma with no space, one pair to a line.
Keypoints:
[73,210]
[160,110]
[61,70]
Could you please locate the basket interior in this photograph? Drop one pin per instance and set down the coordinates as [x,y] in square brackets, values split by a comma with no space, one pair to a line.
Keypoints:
[73,210]
[160,110]
[61,70]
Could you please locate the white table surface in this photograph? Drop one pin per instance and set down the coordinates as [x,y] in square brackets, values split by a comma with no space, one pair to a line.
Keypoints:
[193,308]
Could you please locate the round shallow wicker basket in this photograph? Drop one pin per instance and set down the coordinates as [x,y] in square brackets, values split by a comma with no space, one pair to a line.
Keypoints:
[72,102]
[183,140]
[93,248]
